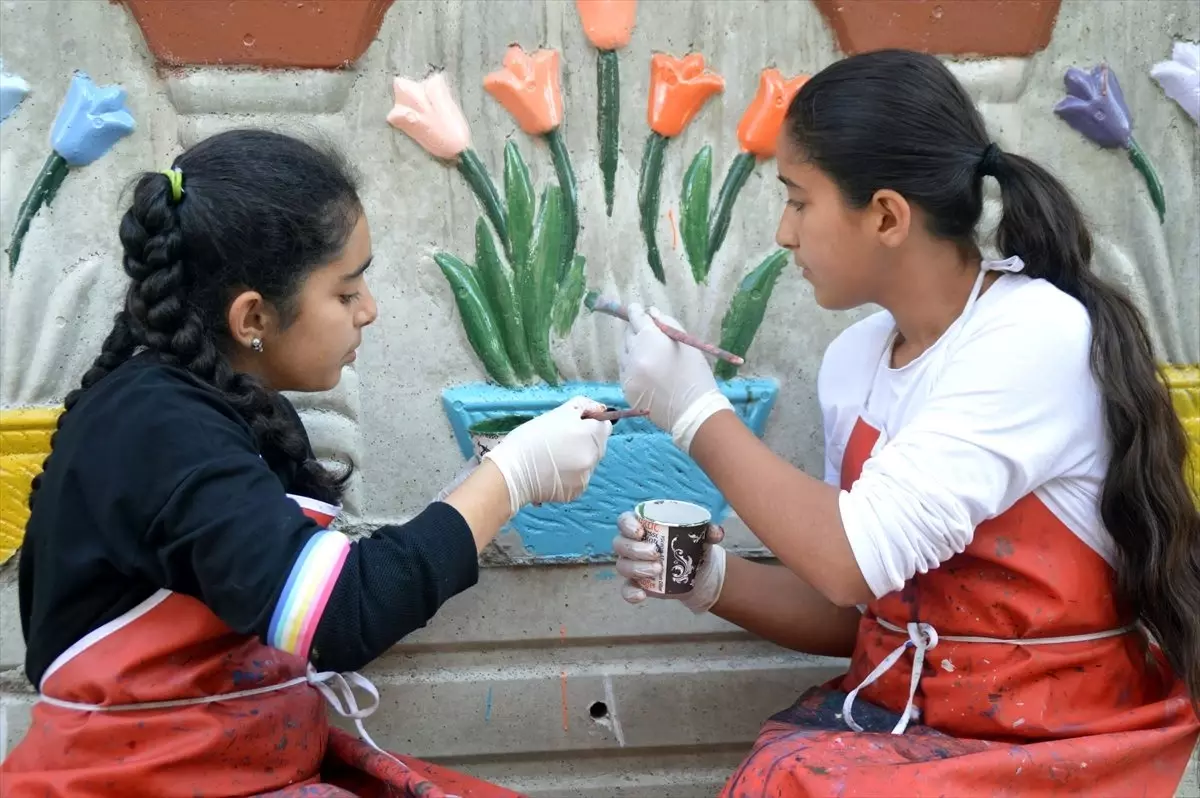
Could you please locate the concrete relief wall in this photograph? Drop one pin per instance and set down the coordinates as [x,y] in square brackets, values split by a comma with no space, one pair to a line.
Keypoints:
[505,658]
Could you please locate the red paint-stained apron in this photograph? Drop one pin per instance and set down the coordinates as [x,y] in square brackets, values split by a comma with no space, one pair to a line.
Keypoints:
[1018,660]
[167,701]
[1010,670]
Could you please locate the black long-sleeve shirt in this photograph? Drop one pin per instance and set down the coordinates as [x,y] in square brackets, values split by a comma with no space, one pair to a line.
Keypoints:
[156,482]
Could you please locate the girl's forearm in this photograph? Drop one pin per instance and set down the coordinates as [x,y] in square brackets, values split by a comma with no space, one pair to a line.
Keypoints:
[775,604]
[793,514]
[482,500]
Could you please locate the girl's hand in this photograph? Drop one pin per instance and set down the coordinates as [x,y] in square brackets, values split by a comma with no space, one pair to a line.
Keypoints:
[673,382]
[637,559]
[552,457]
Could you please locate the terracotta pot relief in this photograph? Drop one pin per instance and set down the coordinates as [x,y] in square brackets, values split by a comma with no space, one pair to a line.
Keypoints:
[315,34]
[943,27]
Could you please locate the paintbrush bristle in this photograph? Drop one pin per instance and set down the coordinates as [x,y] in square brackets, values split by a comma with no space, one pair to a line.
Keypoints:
[589,301]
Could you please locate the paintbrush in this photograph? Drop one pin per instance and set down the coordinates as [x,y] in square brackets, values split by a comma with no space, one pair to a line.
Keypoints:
[599,304]
[612,414]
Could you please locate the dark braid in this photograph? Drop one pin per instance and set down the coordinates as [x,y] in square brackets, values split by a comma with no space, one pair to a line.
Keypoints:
[260,211]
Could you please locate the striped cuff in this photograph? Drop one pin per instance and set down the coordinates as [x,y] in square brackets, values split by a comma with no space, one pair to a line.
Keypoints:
[307,592]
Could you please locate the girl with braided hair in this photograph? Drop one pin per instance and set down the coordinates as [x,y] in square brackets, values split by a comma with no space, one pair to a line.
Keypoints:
[186,609]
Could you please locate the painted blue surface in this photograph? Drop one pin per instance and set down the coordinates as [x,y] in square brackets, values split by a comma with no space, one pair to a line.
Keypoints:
[13,90]
[91,120]
[641,462]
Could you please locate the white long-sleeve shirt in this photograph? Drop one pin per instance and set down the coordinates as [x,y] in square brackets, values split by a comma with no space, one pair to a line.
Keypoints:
[1003,405]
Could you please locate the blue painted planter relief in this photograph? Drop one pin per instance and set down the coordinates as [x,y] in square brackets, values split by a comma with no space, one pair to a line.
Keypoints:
[641,462]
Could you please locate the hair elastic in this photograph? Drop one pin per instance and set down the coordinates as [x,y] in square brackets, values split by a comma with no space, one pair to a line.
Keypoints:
[175,175]
[989,161]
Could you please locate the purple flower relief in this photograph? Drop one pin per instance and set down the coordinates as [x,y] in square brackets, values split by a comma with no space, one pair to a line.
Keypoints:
[1095,107]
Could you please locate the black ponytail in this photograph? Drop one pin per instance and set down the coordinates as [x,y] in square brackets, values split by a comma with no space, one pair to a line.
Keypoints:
[259,212]
[1145,504]
[898,119]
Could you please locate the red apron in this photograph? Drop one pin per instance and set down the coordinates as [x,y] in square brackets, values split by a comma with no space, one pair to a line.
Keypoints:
[1005,709]
[168,702]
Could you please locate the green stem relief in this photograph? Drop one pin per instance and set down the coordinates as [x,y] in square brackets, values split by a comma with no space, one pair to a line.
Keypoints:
[746,310]
[608,120]
[570,297]
[693,212]
[482,331]
[485,190]
[539,282]
[518,193]
[497,282]
[566,181]
[735,178]
[648,191]
[42,192]
[1142,163]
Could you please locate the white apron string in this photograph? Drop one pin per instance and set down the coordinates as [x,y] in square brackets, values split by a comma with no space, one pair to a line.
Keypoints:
[333,686]
[922,637]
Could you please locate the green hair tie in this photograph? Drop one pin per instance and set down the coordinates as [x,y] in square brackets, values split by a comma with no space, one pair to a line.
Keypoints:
[176,178]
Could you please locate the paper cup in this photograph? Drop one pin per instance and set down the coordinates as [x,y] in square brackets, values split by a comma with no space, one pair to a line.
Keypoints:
[486,435]
[677,530]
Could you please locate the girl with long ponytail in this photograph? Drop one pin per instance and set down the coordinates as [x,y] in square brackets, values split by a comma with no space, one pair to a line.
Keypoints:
[1004,542]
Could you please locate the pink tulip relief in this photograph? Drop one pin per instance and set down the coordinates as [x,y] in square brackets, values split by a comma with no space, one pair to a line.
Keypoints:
[426,111]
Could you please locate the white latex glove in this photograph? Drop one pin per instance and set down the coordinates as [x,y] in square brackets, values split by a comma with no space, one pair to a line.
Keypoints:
[672,381]
[637,559]
[551,458]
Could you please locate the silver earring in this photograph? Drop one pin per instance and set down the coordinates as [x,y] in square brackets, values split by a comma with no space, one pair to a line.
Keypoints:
[256,344]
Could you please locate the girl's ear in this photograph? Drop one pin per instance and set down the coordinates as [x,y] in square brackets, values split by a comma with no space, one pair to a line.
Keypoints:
[250,317]
[890,217]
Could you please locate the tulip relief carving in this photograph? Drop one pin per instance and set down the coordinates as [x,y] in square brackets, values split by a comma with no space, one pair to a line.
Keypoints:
[525,284]
[1180,77]
[1095,107]
[528,88]
[517,292]
[91,120]
[428,113]
[608,25]
[679,88]
[704,233]
[13,90]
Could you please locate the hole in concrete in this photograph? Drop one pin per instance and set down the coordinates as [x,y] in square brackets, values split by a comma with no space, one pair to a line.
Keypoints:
[598,710]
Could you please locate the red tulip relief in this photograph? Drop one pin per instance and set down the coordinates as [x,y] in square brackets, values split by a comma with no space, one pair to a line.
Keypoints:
[679,88]
[703,233]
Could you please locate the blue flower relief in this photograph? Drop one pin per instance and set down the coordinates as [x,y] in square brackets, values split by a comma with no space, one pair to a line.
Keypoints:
[91,120]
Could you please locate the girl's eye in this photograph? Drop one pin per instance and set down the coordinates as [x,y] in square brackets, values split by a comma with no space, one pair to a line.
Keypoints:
[795,205]
[348,298]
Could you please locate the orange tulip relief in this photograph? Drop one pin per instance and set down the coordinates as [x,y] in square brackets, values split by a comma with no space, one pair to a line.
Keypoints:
[763,119]
[757,134]
[679,87]
[528,88]
[608,24]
